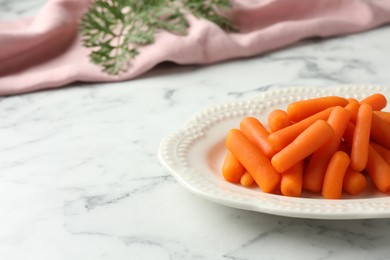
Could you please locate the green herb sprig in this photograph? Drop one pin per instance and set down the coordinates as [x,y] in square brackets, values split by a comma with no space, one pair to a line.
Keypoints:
[115,30]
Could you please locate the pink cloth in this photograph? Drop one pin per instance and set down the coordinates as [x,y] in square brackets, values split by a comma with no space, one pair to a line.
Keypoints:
[46,52]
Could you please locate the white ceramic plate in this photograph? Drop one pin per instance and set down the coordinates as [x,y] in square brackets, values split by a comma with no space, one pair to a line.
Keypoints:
[194,155]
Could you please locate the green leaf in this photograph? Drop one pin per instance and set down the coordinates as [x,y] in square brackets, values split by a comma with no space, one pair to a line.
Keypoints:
[115,30]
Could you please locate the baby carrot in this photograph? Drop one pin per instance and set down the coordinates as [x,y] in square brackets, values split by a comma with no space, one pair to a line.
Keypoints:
[353,106]
[376,101]
[344,147]
[279,139]
[246,180]
[278,119]
[299,110]
[384,115]
[354,182]
[254,161]
[383,151]
[334,176]
[348,134]
[315,172]
[380,131]
[361,138]
[305,144]
[291,183]
[379,170]
[232,169]
[257,134]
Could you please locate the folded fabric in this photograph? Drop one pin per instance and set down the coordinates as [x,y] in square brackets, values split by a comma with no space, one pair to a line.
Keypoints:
[46,51]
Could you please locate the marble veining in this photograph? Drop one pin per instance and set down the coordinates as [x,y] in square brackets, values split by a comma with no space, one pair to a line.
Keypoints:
[80,179]
[10,10]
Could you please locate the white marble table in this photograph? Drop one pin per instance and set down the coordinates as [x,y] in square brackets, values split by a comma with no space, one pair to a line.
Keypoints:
[80,179]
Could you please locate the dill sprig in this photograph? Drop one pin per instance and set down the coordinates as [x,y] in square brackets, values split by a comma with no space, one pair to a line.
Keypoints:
[115,30]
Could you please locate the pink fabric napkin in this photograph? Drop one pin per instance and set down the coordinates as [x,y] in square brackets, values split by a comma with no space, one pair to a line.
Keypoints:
[46,51]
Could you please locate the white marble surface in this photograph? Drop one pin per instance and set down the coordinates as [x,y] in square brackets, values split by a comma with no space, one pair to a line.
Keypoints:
[79,176]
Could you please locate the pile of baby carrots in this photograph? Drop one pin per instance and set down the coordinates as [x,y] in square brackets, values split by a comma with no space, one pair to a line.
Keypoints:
[326,145]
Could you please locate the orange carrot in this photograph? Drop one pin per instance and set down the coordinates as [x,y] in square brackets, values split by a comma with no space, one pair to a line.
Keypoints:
[344,147]
[380,131]
[384,115]
[353,106]
[246,180]
[278,119]
[334,176]
[348,134]
[376,101]
[257,134]
[279,139]
[305,144]
[361,138]
[354,182]
[291,183]
[299,110]
[232,169]
[254,161]
[315,172]
[383,151]
[379,170]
